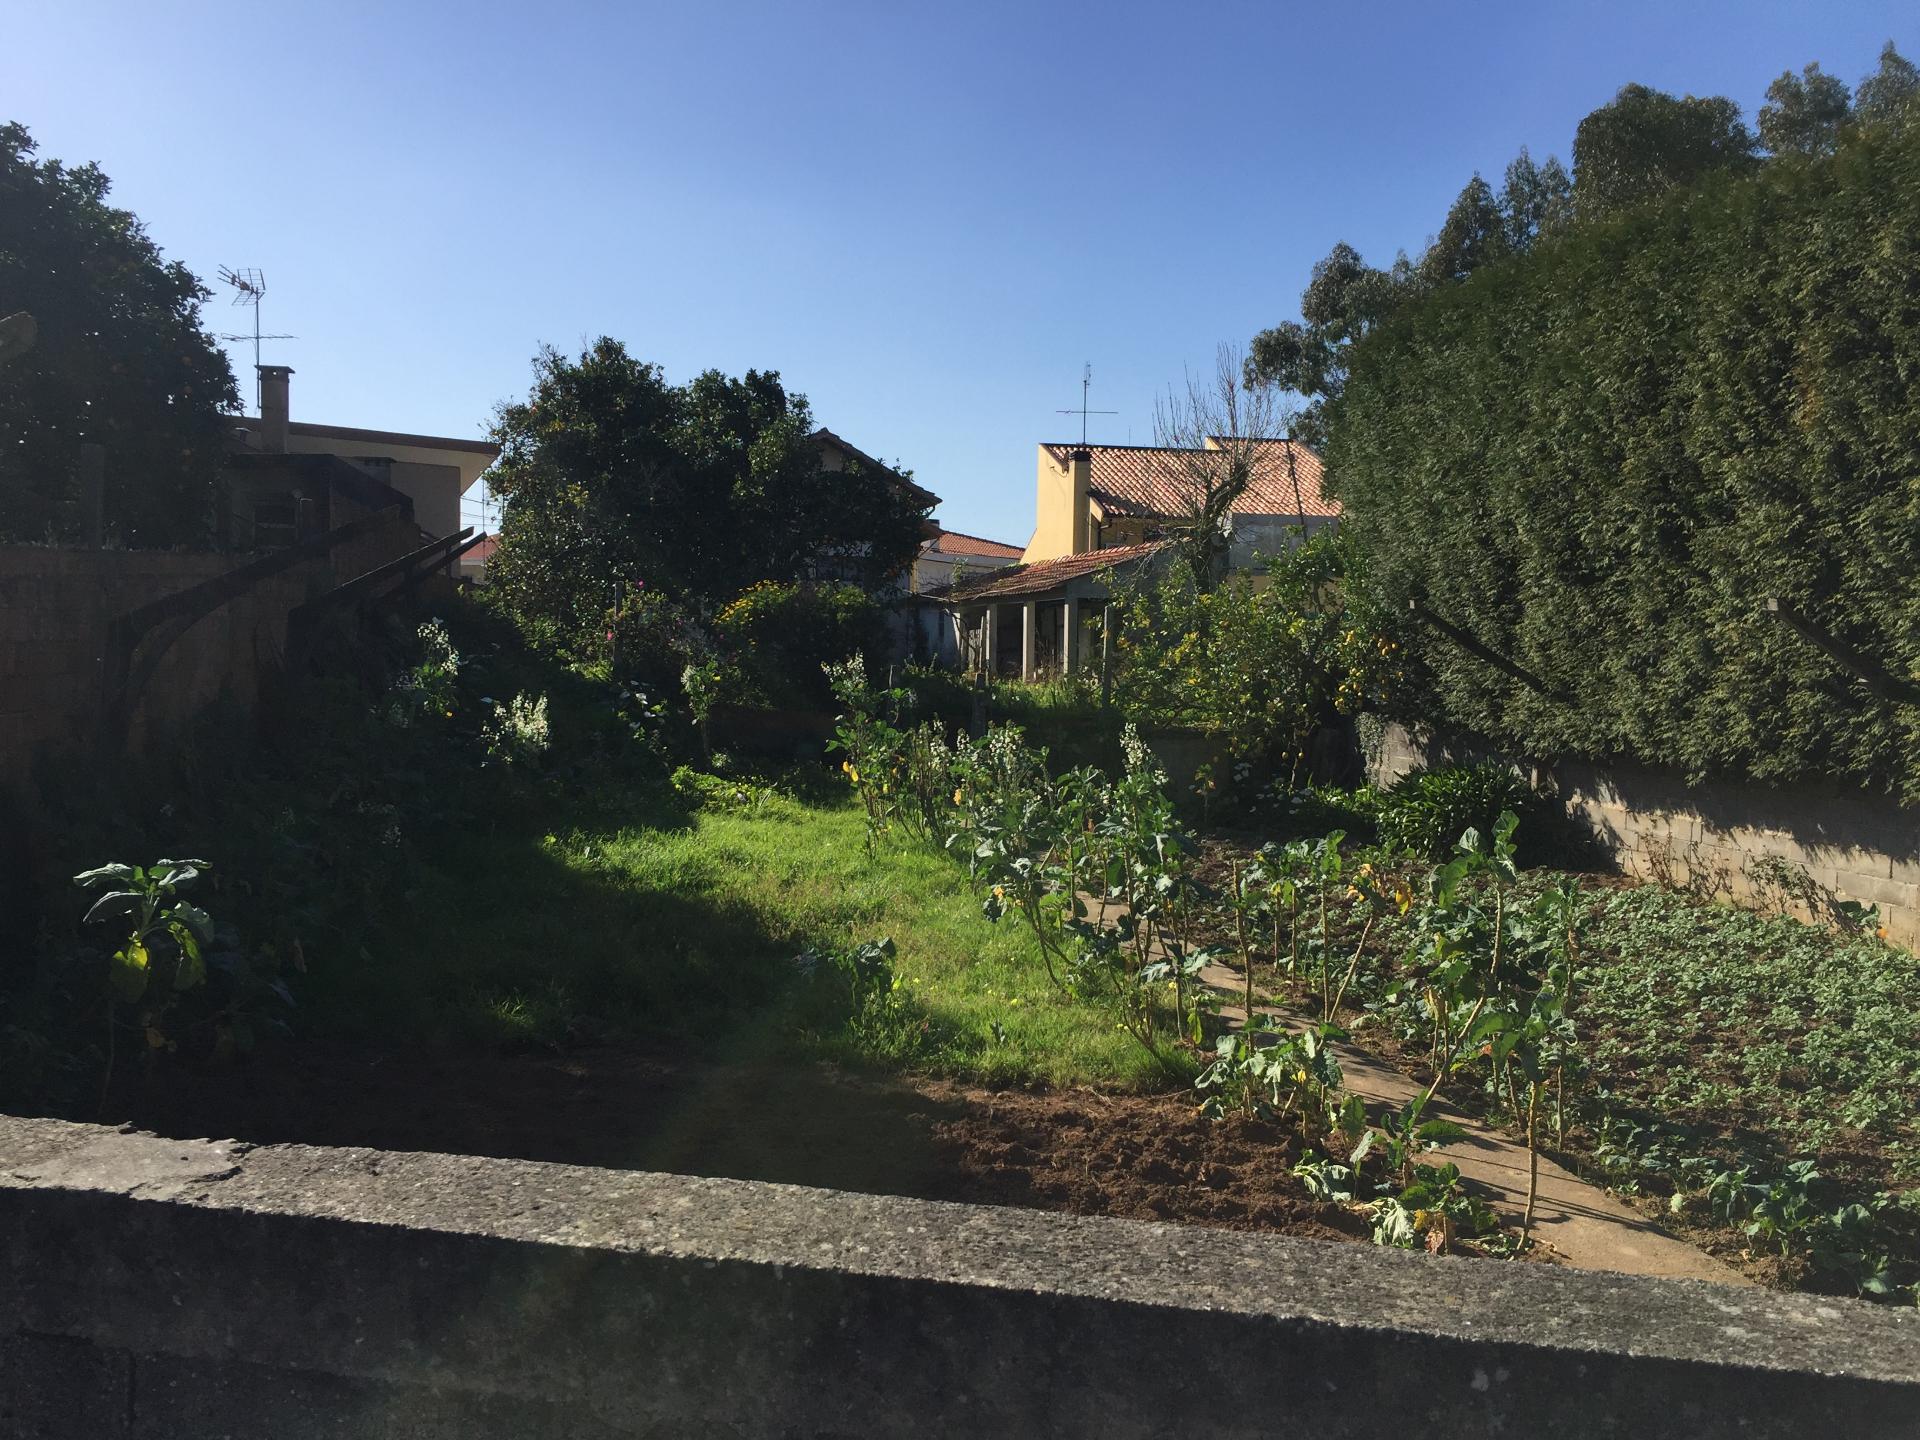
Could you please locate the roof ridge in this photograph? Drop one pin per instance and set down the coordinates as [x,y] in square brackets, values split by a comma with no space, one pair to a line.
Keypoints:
[1093,445]
[1179,449]
[968,535]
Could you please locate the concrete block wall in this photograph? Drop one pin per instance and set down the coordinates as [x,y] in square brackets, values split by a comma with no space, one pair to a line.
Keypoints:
[162,1288]
[56,608]
[1798,849]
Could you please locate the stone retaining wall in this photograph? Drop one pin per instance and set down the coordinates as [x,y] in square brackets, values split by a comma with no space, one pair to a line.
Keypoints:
[56,605]
[171,1289]
[1799,849]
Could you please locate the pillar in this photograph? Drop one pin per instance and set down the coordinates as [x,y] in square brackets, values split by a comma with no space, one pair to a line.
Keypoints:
[1106,654]
[1070,635]
[1027,657]
[989,642]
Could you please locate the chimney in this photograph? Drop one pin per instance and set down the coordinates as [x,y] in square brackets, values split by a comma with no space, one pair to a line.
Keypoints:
[273,408]
[1080,484]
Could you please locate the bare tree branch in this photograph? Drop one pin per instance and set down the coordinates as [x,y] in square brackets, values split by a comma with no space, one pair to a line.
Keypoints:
[1213,433]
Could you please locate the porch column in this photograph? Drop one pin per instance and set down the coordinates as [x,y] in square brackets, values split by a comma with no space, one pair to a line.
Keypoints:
[1027,657]
[1070,635]
[1106,653]
[989,625]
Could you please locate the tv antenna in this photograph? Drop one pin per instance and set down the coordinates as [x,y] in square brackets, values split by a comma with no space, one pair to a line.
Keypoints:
[249,288]
[1086,383]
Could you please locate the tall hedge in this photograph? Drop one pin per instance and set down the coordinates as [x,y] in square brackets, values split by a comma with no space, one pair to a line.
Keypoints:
[1600,460]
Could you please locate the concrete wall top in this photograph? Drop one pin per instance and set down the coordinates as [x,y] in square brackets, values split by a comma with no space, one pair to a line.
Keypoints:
[776,1309]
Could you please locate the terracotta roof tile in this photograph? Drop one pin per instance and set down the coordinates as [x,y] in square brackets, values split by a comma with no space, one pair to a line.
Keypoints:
[952,542]
[1151,480]
[1043,575]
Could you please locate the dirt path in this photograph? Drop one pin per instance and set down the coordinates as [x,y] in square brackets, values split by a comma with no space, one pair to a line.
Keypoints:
[1585,1226]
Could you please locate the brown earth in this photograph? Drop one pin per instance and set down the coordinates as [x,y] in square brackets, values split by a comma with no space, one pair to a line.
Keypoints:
[1079,1151]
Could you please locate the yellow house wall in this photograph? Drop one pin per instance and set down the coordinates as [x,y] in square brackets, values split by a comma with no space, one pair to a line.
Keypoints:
[1052,512]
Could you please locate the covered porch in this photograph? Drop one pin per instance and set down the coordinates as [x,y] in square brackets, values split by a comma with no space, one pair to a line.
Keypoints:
[1035,622]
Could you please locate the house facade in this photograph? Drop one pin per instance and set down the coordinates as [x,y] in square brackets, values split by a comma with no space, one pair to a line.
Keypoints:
[288,477]
[929,634]
[1105,511]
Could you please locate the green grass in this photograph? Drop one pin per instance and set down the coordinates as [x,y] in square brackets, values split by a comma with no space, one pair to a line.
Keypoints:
[679,927]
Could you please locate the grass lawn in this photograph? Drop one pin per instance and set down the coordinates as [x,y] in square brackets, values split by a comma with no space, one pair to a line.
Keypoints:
[683,926]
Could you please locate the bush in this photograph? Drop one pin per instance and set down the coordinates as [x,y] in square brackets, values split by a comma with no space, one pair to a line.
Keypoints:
[1600,460]
[654,639]
[1264,666]
[1424,814]
[778,636]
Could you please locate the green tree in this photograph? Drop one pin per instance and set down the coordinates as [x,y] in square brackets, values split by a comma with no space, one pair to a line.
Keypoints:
[1891,95]
[1804,113]
[1473,234]
[1265,665]
[121,361]
[1537,200]
[612,479]
[1644,142]
[1344,299]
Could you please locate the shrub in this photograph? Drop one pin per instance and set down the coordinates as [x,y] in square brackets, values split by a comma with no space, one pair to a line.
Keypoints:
[1425,813]
[1265,666]
[1599,461]
[780,636]
[653,640]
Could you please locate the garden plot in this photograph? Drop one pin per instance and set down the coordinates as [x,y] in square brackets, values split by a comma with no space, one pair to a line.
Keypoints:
[1491,984]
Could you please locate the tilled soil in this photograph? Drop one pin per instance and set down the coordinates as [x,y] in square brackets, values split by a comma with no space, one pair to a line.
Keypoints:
[1143,1158]
[1078,1151]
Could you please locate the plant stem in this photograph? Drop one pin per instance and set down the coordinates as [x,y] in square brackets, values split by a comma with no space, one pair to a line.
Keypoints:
[1533,1156]
[1352,969]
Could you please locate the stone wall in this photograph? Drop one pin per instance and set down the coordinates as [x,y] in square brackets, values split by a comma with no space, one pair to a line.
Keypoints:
[56,606]
[1799,849]
[172,1289]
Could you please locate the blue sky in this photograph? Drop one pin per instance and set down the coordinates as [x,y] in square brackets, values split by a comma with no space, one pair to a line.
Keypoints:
[926,217]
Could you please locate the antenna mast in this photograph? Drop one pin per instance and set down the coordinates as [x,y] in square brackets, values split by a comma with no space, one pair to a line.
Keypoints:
[249,288]
[1086,383]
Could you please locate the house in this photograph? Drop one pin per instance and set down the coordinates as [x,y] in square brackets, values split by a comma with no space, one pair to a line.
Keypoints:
[473,559]
[945,557]
[1109,510]
[837,454]
[289,478]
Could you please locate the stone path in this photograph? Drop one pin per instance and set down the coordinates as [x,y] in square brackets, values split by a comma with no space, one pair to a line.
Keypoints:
[1585,1226]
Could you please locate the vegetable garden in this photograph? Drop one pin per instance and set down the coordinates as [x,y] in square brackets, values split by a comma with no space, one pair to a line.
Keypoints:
[1765,1093]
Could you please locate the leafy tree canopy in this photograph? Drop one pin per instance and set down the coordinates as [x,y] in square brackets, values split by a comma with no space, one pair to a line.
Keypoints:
[1346,297]
[1804,113]
[613,478]
[1630,151]
[121,361]
[1891,95]
[1644,142]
